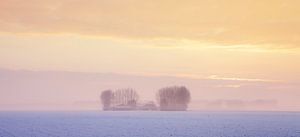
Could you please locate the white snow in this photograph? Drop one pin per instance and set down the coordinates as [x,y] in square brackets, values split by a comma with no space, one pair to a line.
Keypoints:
[149,124]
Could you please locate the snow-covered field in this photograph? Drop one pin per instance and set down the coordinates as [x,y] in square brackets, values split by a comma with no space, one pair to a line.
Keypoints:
[149,124]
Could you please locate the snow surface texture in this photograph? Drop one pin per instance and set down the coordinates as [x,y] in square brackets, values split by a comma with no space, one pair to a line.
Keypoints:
[149,124]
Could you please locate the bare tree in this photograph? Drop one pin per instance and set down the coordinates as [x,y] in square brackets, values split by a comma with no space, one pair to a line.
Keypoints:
[173,98]
[125,97]
[106,98]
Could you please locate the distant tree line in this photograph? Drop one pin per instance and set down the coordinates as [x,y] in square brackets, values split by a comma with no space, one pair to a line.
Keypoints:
[174,98]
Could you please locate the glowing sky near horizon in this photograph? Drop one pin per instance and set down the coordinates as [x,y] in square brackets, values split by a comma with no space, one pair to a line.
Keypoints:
[249,40]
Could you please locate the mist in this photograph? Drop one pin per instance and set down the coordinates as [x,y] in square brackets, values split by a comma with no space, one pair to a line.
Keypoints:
[61,90]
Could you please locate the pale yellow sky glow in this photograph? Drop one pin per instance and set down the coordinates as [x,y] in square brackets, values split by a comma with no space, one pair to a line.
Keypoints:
[251,47]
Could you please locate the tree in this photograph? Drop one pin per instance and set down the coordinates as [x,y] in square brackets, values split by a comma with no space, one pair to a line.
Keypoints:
[127,96]
[120,99]
[106,98]
[173,98]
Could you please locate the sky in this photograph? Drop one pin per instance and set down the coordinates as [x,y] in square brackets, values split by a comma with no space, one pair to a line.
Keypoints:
[239,52]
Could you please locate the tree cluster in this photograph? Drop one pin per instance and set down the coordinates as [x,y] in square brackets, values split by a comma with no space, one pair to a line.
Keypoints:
[119,97]
[173,98]
[126,96]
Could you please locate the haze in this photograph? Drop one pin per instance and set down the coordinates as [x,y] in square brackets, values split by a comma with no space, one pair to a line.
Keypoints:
[232,55]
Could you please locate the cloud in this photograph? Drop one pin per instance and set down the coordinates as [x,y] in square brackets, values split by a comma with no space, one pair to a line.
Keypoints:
[215,77]
[229,86]
[268,22]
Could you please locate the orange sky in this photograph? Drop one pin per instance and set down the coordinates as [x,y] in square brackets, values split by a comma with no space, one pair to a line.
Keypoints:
[249,40]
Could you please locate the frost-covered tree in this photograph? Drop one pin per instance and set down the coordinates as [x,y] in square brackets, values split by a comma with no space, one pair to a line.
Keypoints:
[113,100]
[173,98]
[106,98]
[127,96]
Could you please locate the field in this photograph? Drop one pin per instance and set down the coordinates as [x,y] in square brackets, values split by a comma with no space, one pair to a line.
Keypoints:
[149,124]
